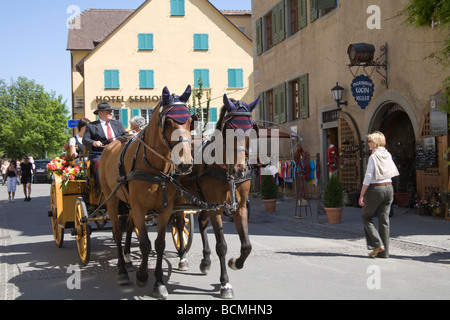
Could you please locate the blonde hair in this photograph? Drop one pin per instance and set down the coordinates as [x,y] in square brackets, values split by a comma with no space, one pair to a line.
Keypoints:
[377,138]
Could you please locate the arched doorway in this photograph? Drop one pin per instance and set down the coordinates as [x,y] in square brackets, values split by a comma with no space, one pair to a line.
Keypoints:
[394,122]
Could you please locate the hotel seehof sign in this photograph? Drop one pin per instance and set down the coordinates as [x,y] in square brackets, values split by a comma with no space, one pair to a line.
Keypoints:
[130,99]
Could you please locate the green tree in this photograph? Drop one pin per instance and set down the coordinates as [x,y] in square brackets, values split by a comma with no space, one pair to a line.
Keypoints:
[434,13]
[197,97]
[32,121]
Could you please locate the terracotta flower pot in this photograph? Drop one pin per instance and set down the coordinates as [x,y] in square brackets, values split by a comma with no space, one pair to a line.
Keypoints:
[270,205]
[334,215]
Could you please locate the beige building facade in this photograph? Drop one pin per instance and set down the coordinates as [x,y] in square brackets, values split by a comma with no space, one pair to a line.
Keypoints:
[126,57]
[301,52]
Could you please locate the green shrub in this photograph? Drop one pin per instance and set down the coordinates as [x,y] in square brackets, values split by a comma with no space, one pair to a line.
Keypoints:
[333,196]
[269,188]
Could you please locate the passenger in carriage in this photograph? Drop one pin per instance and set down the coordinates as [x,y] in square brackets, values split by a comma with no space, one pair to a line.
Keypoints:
[75,144]
[100,133]
[137,123]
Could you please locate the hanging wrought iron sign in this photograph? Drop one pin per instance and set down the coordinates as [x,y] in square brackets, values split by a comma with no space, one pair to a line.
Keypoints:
[363,89]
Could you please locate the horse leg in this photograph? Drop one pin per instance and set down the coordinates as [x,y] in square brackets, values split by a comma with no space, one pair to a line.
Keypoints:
[123,278]
[203,220]
[226,290]
[159,289]
[144,245]
[180,224]
[127,250]
[241,223]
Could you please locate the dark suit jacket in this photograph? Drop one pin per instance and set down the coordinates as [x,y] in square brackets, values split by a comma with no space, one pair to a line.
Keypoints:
[94,132]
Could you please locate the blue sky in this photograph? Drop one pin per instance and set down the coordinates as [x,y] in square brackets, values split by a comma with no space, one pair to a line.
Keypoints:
[33,38]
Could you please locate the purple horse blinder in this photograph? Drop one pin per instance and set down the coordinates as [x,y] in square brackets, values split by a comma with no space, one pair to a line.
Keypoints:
[239,114]
[174,107]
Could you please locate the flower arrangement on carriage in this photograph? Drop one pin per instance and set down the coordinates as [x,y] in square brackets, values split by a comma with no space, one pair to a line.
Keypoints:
[67,170]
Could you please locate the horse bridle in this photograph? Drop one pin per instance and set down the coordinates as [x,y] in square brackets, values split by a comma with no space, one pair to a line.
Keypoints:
[162,120]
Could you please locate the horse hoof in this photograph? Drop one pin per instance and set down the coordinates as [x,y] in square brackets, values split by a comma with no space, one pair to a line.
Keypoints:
[232,264]
[205,267]
[183,265]
[160,292]
[123,280]
[141,280]
[226,292]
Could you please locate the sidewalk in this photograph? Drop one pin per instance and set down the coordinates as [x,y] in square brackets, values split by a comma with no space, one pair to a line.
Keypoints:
[406,224]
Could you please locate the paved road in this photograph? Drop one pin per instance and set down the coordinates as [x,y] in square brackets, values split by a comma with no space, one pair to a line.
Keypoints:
[292,259]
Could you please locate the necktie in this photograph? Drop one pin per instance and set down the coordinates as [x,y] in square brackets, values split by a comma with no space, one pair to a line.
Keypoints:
[110,134]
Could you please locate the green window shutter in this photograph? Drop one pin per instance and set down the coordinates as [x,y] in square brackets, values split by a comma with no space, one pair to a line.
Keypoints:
[146,79]
[314,13]
[262,107]
[259,36]
[202,74]
[325,4]
[279,22]
[304,96]
[145,41]
[201,41]
[235,78]
[135,112]
[124,117]
[279,93]
[302,13]
[212,115]
[112,79]
[177,8]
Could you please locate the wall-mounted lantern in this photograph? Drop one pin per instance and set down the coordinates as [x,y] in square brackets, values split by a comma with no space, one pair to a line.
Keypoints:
[337,95]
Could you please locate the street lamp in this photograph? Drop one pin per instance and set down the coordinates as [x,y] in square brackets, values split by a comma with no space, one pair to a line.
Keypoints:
[337,95]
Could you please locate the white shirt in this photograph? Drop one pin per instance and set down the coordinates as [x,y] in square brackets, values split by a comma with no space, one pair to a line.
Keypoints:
[76,140]
[369,178]
[105,129]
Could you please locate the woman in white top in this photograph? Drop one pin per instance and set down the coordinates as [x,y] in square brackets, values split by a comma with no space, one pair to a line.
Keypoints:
[377,195]
[76,143]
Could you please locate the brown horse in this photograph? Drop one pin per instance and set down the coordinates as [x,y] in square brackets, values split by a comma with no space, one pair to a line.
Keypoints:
[231,186]
[162,148]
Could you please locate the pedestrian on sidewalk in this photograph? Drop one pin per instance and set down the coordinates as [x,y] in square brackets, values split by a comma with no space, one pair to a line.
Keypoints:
[26,177]
[377,194]
[11,180]
[5,166]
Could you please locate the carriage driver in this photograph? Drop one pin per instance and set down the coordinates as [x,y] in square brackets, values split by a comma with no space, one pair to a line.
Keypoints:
[100,133]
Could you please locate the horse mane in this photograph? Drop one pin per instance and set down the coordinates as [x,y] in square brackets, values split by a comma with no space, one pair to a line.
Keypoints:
[223,110]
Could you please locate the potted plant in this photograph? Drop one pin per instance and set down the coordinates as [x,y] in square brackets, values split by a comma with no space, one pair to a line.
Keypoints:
[269,192]
[333,200]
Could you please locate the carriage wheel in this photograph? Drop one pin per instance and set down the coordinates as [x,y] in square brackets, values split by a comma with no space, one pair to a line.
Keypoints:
[187,235]
[58,231]
[82,231]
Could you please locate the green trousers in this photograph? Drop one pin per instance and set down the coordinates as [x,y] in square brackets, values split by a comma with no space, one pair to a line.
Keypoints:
[377,199]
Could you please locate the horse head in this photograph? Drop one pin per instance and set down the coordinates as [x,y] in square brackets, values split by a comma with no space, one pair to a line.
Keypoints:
[175,122]
[238,118]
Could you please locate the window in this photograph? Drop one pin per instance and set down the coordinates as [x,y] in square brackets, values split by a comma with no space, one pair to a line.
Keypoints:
[235,78]
[177,8]
[268,25]
[203,76]
[146,79]
[270,104]
[201,41]
[293,10]
[295,98]
[319,8]
[146,113]
[112,79]
[121,115]
[259,36]
[145,41]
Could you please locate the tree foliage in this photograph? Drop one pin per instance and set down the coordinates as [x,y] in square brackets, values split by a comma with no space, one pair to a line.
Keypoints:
[32,121]
[434,13]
